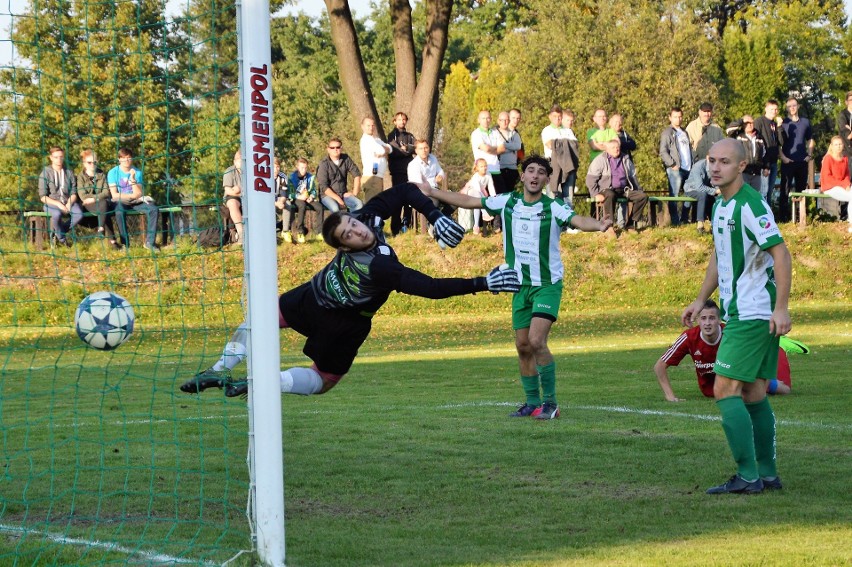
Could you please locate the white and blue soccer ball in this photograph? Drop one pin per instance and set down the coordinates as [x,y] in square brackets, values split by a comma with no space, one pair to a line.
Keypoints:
[104,320]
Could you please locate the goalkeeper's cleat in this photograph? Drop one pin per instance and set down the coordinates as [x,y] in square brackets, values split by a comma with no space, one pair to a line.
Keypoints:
[208,379]
[548,411]
[525,410]
[236,389]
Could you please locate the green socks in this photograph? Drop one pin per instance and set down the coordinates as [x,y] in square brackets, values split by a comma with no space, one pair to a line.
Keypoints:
[548,381]
[531,389]
[763,424]
[737,423]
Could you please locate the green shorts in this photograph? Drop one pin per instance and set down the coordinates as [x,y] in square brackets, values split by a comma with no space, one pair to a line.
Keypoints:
[535,301]
[747,351]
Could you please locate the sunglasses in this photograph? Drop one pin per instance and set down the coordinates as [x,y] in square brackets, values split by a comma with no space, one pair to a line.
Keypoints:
[334,147]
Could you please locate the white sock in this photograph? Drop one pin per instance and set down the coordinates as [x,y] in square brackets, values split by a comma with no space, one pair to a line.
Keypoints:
[302,381]
[234,352]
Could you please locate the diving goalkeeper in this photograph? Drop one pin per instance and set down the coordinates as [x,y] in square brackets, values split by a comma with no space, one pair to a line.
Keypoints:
[334,310]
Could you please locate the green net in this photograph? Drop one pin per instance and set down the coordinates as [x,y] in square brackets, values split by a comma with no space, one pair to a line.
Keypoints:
[104,460]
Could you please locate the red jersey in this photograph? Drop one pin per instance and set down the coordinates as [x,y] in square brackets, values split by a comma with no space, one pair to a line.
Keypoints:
[704,356]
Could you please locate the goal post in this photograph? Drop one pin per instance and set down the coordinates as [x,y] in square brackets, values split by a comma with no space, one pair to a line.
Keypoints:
[261,275]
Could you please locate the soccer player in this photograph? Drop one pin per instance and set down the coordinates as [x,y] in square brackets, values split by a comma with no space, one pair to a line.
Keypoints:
[701,343]
[751,266]
[334,309]
[532,223]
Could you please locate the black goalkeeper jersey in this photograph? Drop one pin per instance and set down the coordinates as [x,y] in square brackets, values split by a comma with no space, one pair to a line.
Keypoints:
[363,280]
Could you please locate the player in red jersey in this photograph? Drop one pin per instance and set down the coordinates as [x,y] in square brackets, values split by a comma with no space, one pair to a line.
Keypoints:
[701,343]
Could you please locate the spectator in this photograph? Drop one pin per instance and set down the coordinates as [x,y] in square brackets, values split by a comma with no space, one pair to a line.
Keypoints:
[703,132]
[514,122]
[676,154]
[628,144]
[834,176]
[844,126]
[699,187]
[701,343]
[612,175]
[403,148]
[93,193]
[598,136]
[479,186]
[488,145]
[232,183]
[57,189]
[424,168]
[126,189]
[332,173]
[283,199]
[755,150]
[768,126]
[303,185]
[374,159]
[561,149]
[508,158]
[796,152]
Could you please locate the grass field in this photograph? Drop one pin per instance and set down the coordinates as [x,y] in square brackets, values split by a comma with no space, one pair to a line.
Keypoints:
[412,460]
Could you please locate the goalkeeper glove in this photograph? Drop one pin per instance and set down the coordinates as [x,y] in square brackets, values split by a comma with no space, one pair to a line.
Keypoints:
[503,278]
[448,232]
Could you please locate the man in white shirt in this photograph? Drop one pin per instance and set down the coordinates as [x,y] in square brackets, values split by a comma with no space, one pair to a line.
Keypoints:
[424,168]
[487,144]
[374,158]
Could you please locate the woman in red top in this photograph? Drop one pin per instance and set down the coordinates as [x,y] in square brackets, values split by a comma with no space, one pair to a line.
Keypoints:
[834,177]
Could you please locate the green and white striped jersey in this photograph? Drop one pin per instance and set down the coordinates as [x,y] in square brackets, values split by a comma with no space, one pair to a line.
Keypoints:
[531,235]
[743,229]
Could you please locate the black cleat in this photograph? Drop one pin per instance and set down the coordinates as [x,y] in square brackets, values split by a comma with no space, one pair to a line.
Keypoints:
[208,379]
[737,485]
[774,484]
[236,389]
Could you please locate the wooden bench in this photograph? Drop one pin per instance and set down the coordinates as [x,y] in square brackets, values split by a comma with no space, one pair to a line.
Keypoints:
[36,223]
[667,219]
[802,209]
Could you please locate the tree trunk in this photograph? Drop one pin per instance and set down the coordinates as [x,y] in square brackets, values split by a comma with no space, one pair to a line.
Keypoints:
[422,123]
[353,75]
[403,50]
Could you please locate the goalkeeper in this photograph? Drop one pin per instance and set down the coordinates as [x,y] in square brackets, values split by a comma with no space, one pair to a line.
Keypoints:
[334,309]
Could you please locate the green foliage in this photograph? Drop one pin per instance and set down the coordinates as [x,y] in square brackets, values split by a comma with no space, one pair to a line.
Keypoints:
[748,85]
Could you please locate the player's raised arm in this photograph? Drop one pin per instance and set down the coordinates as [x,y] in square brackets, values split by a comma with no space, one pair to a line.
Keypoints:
[455,199]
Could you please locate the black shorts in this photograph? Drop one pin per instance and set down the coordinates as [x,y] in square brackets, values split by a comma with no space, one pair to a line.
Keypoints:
[333,335]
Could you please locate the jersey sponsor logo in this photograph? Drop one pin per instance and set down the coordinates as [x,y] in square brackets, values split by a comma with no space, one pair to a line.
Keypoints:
[706,366]
[335,287]
[764,223]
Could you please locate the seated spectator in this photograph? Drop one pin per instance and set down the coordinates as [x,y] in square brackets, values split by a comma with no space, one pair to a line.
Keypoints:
[283,199]
[332,173]
[834,176]
[125,187]
[232,182]
[424,168]
[57,189]
[698,187]
[93,193]
[481,184]
[303,188]
[611,176]
[701,343]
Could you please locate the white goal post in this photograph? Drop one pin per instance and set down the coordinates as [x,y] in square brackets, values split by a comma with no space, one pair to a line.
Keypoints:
[266,460]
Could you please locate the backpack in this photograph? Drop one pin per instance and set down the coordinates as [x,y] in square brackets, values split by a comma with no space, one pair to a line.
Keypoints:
[215,237]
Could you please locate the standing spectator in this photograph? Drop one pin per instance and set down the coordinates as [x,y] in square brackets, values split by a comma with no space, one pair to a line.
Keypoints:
[628,144]
[703,132]
[479,186]
[331,179]
[751,267]
[487,144]
[57,189]
[402,143]
[514,122]
[374,159]
[303,185]
[796,152]
[598,136]
[283,199]
[126,189]
[755,149]
[699,187]
[93,193]
[844,126]
[834,176]
[511,146]
[768,126]
[560,148]
[676,153]
[612,176]
[232,184]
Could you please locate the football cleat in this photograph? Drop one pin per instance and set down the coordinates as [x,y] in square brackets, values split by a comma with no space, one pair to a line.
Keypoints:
[236,389]
[774,484]
[208,379]
[525,410]
[738,485]
[548,411]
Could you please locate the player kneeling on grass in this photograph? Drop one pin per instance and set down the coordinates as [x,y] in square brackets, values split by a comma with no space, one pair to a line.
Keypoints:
[701,343]
[532,223]
[334,309]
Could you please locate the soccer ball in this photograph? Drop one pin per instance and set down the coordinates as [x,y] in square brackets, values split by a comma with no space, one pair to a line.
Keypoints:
[104,320]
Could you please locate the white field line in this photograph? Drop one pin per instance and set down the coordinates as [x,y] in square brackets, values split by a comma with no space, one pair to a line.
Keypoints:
[149,556]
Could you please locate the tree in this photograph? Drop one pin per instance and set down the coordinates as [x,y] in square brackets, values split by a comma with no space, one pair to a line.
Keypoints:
[747,85]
